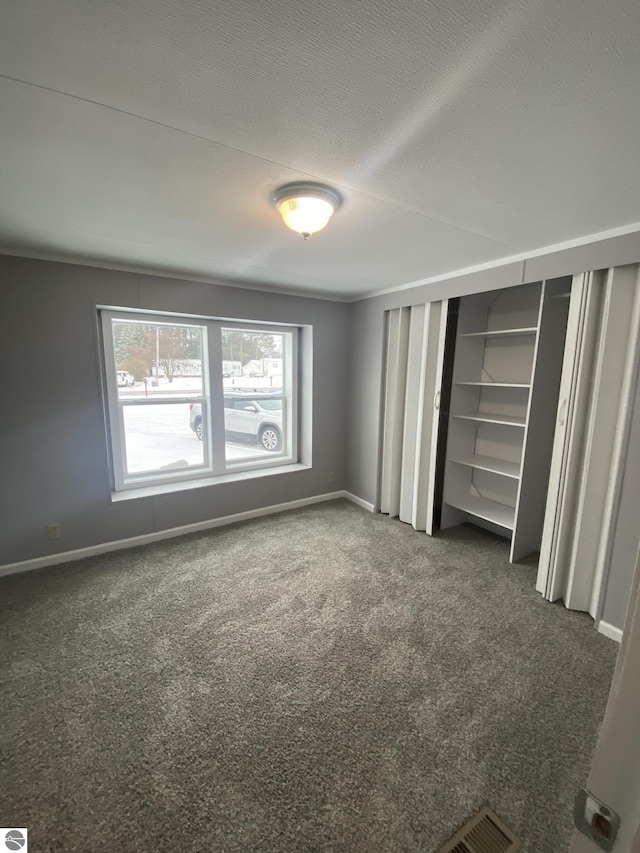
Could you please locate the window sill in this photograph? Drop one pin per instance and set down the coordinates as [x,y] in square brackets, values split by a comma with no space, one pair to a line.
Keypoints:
[203,482]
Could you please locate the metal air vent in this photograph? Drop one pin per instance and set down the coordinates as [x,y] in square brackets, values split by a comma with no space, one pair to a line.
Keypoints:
[483,833]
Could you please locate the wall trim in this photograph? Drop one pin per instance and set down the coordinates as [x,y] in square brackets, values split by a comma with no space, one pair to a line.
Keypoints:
[610,631]
[520,257]
[54,257]
[359,501]
[172,532]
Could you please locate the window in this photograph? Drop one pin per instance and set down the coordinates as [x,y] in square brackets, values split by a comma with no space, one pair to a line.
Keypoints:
[190,397]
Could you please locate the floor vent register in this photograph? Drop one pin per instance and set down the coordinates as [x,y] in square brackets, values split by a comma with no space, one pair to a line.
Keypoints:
[484,833]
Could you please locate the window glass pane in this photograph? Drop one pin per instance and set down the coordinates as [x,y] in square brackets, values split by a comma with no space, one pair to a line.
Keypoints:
[157,360]
[255,400]
[161,437]
[178,411]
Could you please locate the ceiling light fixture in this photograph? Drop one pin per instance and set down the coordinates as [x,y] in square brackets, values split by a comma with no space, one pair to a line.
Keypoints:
[305,206]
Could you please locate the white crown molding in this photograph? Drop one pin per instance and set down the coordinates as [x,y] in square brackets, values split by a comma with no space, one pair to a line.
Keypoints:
[511,259]
[179,275]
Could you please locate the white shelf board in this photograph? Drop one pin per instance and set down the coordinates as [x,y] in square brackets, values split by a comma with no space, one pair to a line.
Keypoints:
[488,418]
[499,514]
[488,463]
[497,384]
[500,333]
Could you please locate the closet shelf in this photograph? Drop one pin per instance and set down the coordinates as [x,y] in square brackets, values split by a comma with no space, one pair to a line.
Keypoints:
[500,333]
[488,463]
[488,418]
[496,384]
[497,513]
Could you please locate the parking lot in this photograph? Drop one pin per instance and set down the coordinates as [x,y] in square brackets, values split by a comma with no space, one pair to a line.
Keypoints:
[159,436]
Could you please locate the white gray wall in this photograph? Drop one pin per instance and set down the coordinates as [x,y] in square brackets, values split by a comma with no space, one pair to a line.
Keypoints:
[367,323]
[53,453]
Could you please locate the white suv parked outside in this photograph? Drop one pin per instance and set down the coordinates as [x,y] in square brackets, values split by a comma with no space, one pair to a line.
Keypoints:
[247,415]
[124,379]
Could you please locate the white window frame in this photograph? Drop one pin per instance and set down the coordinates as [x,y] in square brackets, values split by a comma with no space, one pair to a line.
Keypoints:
[214,464]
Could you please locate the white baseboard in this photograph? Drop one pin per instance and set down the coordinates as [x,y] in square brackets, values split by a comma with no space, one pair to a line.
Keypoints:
[359,501]
[610,631]
[170,533]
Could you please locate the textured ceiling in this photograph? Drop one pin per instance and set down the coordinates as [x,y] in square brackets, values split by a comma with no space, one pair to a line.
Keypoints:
[149,134]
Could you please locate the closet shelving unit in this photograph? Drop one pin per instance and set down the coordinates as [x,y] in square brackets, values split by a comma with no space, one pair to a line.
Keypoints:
[506,375]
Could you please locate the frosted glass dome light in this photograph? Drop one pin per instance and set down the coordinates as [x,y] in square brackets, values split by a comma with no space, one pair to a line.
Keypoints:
[306,207]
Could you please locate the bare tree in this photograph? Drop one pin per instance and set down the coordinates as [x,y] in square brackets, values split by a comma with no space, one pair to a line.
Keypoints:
[172,349]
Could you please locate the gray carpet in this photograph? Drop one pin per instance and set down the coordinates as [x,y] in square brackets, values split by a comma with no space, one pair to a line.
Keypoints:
[321,680]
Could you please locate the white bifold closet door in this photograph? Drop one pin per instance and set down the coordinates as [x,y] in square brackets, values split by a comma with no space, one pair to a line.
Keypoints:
[598,376]
[415,354]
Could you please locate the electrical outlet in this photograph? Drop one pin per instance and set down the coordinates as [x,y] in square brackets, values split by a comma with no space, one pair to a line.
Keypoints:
[54,531]
[595,820]
[331,476]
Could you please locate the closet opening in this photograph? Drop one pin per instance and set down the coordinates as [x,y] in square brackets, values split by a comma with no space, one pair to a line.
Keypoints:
[505,383]
[511,410]
[445,404]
